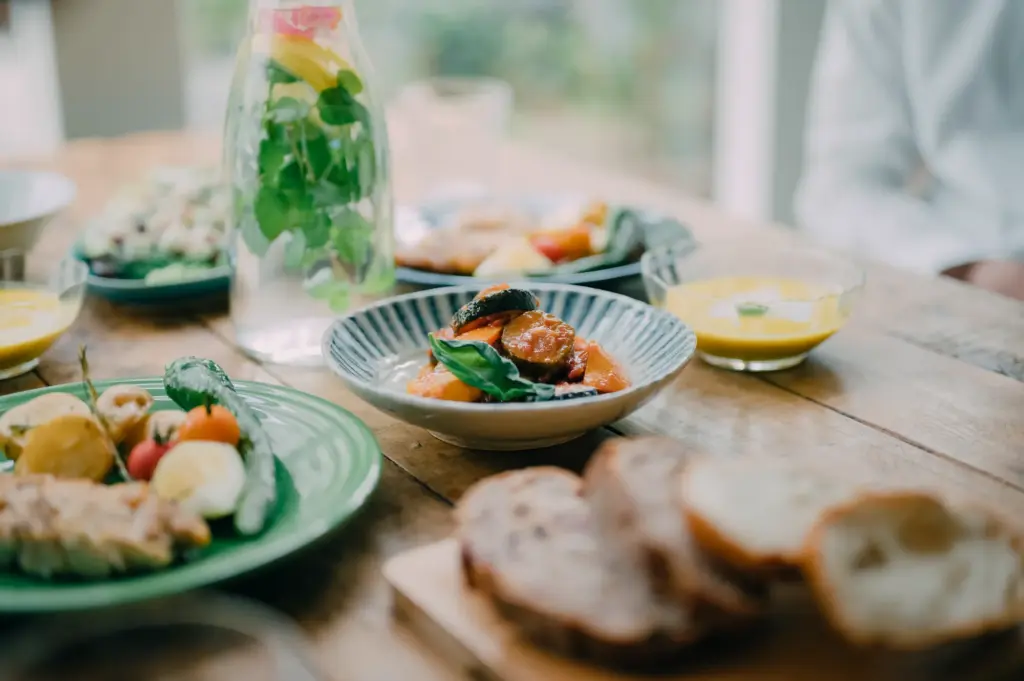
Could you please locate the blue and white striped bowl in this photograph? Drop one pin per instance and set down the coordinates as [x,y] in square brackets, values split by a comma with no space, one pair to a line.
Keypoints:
[378,349]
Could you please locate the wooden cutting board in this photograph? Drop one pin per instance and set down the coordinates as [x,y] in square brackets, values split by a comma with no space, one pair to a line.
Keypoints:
[794,644]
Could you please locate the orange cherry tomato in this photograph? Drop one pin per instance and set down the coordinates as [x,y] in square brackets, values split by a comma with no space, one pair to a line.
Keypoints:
[210,424]
[549,247]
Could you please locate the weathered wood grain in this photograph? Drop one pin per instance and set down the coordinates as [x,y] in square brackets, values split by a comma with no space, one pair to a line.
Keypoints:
[948,407]
[728,414]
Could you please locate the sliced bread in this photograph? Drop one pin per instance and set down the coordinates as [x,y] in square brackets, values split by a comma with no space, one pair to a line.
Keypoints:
[909,571]
[631,485]
[531,544]
[755,514]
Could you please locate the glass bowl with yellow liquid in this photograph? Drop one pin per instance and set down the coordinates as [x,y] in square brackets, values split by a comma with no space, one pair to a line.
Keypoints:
[35,313]
[753,309]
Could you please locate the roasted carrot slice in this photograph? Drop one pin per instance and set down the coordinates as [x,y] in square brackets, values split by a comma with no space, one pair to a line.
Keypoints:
[443,385]
[603,373]
[486,334]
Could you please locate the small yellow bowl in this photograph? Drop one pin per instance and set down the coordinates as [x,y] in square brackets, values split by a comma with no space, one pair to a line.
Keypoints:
[33,315]
[753,309]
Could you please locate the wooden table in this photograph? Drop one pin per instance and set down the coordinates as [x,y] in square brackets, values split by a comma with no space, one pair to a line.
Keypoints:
[924,387]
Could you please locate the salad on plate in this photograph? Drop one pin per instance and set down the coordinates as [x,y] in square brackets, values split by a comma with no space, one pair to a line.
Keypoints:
[170,228]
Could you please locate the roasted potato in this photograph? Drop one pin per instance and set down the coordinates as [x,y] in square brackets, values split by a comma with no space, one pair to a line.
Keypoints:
[16,423]
[123,407]
[158,425]
[70,446]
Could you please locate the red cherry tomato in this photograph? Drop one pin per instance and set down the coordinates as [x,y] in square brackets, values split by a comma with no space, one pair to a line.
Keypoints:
[548,247]
[144,457]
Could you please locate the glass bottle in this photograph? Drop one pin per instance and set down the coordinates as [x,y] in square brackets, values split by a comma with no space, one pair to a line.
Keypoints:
[306,154]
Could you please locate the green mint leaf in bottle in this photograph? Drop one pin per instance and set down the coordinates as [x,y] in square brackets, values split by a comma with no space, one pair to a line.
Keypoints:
[338,107]
[295,250]
[287,110]
[350,81]
[272,212]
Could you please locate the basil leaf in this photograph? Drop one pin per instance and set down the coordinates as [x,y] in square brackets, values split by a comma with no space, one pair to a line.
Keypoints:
[479,365]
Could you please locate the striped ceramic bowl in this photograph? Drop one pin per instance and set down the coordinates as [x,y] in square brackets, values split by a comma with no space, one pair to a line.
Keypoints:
[377,350]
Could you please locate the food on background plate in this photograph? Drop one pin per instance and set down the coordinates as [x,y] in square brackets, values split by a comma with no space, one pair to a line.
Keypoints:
[611,568]
[170,228]
[53,528]
[208,463]
[758,318]
[501,348]
[494,241]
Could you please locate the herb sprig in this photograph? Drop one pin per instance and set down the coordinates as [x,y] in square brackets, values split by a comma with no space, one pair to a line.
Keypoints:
[93,402]
[318,163]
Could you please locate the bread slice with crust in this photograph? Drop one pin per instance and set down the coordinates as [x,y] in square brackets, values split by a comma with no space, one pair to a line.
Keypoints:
[632,486]
[531,543]
[906,570]
[755,514]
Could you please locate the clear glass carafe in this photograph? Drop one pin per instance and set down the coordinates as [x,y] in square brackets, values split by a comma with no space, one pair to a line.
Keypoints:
[306,153]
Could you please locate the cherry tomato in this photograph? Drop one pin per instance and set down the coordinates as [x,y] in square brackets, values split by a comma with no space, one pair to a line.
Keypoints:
[548,247]
[213,424]
[144,457]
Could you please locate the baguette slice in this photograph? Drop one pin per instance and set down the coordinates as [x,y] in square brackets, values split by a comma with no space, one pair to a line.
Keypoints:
[631,485]
[530,543]
[907,571]
[755,514]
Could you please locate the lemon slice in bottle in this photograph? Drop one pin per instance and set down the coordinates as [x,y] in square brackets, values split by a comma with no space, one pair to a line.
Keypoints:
[307,60]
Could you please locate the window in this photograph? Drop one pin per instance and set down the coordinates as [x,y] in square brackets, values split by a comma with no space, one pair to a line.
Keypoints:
[624,83]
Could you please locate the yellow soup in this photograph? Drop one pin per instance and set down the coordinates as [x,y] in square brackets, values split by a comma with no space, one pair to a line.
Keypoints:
[757,318]
[30,321]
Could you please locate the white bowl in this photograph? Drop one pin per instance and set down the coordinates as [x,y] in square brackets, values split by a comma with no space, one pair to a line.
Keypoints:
[28,201]
[375,351]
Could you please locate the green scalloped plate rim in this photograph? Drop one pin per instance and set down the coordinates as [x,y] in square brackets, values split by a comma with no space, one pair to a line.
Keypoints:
[318,491]
[214,281]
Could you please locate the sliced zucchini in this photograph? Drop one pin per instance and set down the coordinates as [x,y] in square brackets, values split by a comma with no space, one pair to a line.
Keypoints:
[492,306]
[540,344]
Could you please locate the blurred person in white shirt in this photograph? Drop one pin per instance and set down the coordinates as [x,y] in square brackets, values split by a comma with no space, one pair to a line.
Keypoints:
[906,90]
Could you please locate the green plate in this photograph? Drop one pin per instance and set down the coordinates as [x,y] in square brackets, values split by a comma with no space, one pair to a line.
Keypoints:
[329,464]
